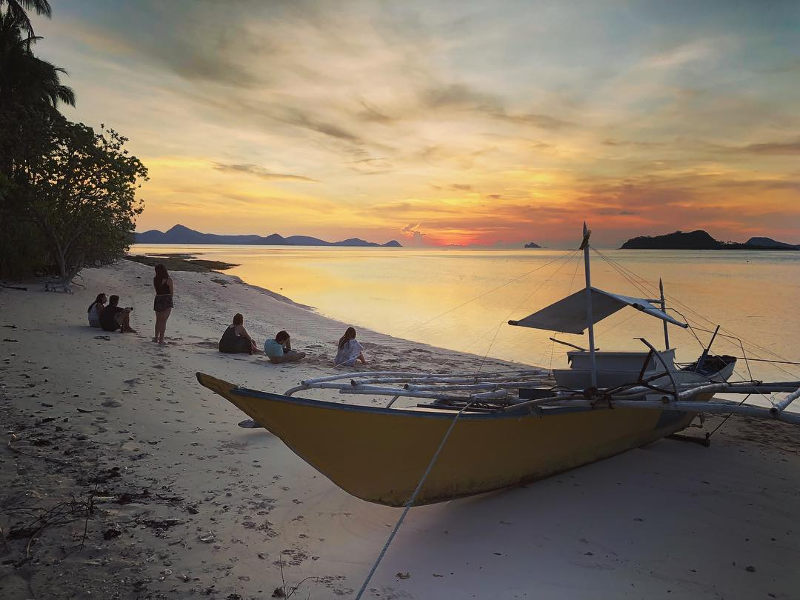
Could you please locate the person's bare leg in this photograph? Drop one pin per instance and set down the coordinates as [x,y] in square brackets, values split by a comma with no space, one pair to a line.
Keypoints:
[126,322]
[157,327]
[164,316]
[291,356]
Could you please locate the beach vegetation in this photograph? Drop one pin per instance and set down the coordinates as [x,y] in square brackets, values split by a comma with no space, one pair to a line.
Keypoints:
[80,192]
[67,193]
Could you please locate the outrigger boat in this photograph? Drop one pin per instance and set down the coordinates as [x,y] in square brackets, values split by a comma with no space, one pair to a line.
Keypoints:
[481,432]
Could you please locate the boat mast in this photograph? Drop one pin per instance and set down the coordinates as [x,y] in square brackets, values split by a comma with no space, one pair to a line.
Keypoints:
[589,316]
[664,310]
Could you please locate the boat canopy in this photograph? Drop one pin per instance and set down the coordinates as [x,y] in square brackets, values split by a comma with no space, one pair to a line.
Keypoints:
[568,315]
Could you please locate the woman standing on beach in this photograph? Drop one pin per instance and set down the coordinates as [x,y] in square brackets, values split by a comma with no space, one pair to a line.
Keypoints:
[162,304]
[349,350]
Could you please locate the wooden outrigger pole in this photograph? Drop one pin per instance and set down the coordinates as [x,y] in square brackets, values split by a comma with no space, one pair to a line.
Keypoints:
[501,395]
[664,310]
[589,317]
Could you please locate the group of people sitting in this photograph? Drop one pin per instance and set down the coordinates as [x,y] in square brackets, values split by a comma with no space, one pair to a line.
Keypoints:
[236,340]
[111,317]
[115,318]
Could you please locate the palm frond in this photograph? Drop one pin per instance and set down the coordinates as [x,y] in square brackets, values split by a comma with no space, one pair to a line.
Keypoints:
[42,7]
[18,10]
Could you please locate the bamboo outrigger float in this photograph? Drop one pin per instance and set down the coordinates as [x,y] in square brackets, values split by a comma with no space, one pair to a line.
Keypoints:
[511,427]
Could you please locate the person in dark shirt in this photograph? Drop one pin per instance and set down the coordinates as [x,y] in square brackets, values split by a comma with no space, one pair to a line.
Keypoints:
[236,339]
[114,318]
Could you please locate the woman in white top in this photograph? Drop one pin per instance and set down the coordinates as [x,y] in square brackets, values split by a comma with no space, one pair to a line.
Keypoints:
[93,312]
[349,350]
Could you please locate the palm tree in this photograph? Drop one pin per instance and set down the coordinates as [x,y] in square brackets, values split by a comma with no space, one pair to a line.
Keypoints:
[30,90]
[24,79]
[17,8]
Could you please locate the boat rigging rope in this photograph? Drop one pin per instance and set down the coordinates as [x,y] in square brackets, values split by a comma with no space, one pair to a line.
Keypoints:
[725,420]
[489,291]
[774,362]
[446,436]
[412,499]
[643,285]
[638,282]
[691,327]
[525,300]
[781,360]
[746,362]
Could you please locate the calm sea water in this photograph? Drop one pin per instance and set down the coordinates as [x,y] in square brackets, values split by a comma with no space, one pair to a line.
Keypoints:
[462,299]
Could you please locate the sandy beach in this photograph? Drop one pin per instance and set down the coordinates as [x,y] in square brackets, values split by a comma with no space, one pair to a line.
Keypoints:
[123,478]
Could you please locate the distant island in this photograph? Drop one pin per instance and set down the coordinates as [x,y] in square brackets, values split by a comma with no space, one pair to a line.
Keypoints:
[701,240]
[532,245]
[180,234]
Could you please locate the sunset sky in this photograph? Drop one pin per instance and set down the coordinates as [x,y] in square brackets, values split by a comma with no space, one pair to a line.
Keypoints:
[447,122]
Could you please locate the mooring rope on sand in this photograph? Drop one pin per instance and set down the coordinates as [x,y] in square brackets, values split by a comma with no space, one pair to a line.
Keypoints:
[412,499]
[436,454]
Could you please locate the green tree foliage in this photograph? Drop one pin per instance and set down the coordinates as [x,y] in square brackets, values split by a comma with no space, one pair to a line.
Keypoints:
[67,194]
[80,192]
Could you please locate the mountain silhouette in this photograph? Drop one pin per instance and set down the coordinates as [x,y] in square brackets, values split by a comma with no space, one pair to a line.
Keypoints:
[180,234]
[701,240]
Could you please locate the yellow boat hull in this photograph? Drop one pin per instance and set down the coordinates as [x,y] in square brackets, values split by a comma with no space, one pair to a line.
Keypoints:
[380,455]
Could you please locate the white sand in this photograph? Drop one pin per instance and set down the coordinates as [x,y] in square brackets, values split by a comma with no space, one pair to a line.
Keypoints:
[672,520]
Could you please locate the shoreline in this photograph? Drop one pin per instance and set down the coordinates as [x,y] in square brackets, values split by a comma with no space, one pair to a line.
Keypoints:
[189,262]
[186,503]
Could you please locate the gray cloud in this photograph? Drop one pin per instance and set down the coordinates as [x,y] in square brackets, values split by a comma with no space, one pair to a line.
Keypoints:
[324,128]
[456,187]
[261,172]
[455,96]
[633,144]
[617,212]
[772,148]
[372,166]
[534,120]
[372,114]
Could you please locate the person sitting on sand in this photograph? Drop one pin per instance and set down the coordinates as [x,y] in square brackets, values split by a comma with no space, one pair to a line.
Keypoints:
[280,350]
[94,310]
[236,340]
[349,350]
[114,318]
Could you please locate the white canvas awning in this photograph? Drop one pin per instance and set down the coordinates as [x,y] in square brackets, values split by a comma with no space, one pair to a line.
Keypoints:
[568,315]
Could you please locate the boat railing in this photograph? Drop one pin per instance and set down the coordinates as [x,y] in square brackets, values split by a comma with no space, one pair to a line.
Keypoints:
[499,391]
